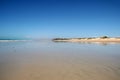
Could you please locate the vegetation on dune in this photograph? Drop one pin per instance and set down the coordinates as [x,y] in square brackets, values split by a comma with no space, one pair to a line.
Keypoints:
[61,39]
[89,38]
[104,37]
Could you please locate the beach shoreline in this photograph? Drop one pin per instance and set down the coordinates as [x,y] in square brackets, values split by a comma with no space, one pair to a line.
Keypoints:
[87,40]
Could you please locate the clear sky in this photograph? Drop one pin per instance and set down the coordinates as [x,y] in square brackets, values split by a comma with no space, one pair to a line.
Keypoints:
[59,18]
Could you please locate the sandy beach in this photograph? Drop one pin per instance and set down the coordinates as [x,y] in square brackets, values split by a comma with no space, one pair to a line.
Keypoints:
[59,39]
[37,60]
[90,40]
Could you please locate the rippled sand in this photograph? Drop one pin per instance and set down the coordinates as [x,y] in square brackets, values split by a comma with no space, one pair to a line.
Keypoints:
[59,61]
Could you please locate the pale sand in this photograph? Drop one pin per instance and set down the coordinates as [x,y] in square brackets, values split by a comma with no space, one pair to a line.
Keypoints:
[58,62]
[62,67]
[55,69]
[92,40]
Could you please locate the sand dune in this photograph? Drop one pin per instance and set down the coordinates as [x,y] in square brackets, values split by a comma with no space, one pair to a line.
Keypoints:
[91,40]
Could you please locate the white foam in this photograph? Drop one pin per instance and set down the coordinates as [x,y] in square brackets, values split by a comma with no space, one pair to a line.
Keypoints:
[13,40]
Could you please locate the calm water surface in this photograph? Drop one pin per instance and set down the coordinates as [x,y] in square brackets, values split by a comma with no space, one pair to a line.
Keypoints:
[46,60]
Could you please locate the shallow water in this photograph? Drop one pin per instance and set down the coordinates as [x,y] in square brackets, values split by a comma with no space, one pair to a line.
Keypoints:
[46,60]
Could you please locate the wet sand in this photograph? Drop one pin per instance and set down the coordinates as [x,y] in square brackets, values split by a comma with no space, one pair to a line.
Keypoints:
[59,61]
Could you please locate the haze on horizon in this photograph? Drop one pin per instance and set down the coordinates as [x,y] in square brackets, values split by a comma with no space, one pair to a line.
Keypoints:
[59,18]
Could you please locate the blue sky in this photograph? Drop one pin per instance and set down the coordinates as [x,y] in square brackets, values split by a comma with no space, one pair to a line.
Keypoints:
[59,18]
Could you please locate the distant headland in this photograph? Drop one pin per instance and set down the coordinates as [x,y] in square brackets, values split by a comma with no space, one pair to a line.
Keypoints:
[89,39]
